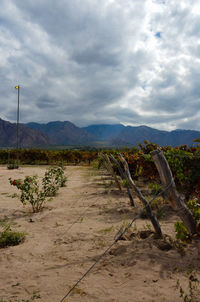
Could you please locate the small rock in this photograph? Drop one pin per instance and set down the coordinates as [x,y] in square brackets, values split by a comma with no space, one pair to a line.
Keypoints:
[162,245]
[145,234]
[118,251]
[193,279]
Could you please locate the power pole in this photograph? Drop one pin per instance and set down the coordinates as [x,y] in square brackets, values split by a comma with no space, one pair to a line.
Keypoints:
[18,90]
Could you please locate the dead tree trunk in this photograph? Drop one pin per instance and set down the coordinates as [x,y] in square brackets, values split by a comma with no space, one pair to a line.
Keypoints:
[172,195]
[123,177]
[111,171]
[150,214]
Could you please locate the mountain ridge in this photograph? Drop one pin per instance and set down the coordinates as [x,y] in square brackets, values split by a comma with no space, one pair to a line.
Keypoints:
[27,137]
[65,133]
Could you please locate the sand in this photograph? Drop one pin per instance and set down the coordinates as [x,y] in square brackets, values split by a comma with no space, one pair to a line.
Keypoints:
[72,231]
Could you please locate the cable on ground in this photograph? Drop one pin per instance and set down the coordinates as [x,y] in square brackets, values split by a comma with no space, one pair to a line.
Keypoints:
[118,237]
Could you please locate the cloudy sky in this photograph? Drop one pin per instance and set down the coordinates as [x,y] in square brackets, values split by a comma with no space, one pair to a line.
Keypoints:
[135,62]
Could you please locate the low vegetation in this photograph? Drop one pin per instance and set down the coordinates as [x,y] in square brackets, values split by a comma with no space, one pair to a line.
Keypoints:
[184,163]
[192,292]
[36,195]
[181,230]
[9,237]
[32,298]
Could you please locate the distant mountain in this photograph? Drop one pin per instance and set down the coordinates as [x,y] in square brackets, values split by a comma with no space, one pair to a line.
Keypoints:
[104,132]
[133,135]
[119,135]
[64,133]
[27,137]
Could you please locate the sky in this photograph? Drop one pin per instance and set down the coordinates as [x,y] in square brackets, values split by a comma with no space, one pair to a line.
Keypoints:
[135,62]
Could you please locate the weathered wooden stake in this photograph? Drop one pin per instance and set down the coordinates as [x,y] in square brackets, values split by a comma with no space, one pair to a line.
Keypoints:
[111,171]
[150,214]
[172,195]
[123,177]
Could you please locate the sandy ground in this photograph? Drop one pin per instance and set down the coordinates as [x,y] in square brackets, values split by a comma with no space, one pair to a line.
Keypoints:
[69,235]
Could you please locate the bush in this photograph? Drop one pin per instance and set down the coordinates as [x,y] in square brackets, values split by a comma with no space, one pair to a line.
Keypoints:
[156,207]
[155,188]
[12,165]
[181,230]
[9,237]
[194,206]
[53,179]
[31,192]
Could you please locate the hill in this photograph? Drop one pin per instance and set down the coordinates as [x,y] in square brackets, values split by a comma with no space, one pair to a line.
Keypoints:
[105,132]
[119,135]
[65,133]
[27,137]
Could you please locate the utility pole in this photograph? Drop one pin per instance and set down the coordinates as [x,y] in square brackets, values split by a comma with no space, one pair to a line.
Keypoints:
[18,90]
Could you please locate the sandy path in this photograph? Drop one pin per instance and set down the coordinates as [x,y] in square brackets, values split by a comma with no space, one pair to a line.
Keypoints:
[65,239]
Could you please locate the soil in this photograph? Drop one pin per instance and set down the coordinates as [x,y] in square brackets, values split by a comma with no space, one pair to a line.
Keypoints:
[70,234]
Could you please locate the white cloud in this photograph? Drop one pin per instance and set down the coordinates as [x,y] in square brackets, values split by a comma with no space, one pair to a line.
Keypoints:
[131,61]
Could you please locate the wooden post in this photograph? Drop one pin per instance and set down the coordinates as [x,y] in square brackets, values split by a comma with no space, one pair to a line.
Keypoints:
[172,195]
[111,171]
[150,214]
[123,177]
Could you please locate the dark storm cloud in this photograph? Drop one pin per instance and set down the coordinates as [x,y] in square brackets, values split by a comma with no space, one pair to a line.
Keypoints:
[96,55]
[45,102]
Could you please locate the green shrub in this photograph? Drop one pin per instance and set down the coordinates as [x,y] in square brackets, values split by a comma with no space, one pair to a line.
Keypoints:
[12,165]
[181,230]
[194,206]
[31,192]
[9,237]
[155,188]
[52,180]
[156,207]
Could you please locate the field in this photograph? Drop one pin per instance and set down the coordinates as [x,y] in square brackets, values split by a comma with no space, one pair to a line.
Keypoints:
[73,230]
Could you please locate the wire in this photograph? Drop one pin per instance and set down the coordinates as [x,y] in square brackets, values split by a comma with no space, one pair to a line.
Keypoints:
[118,237]
[82,215]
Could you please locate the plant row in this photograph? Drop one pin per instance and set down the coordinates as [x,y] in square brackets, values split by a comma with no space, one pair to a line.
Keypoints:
[46,157]
[184,163]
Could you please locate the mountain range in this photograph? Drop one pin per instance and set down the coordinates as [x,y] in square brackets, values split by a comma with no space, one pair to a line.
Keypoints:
[67,134]
[27,136]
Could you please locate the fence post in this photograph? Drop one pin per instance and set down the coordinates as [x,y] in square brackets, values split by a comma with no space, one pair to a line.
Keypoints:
[150,214]
[110,170]
[172,195]
[123,177]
